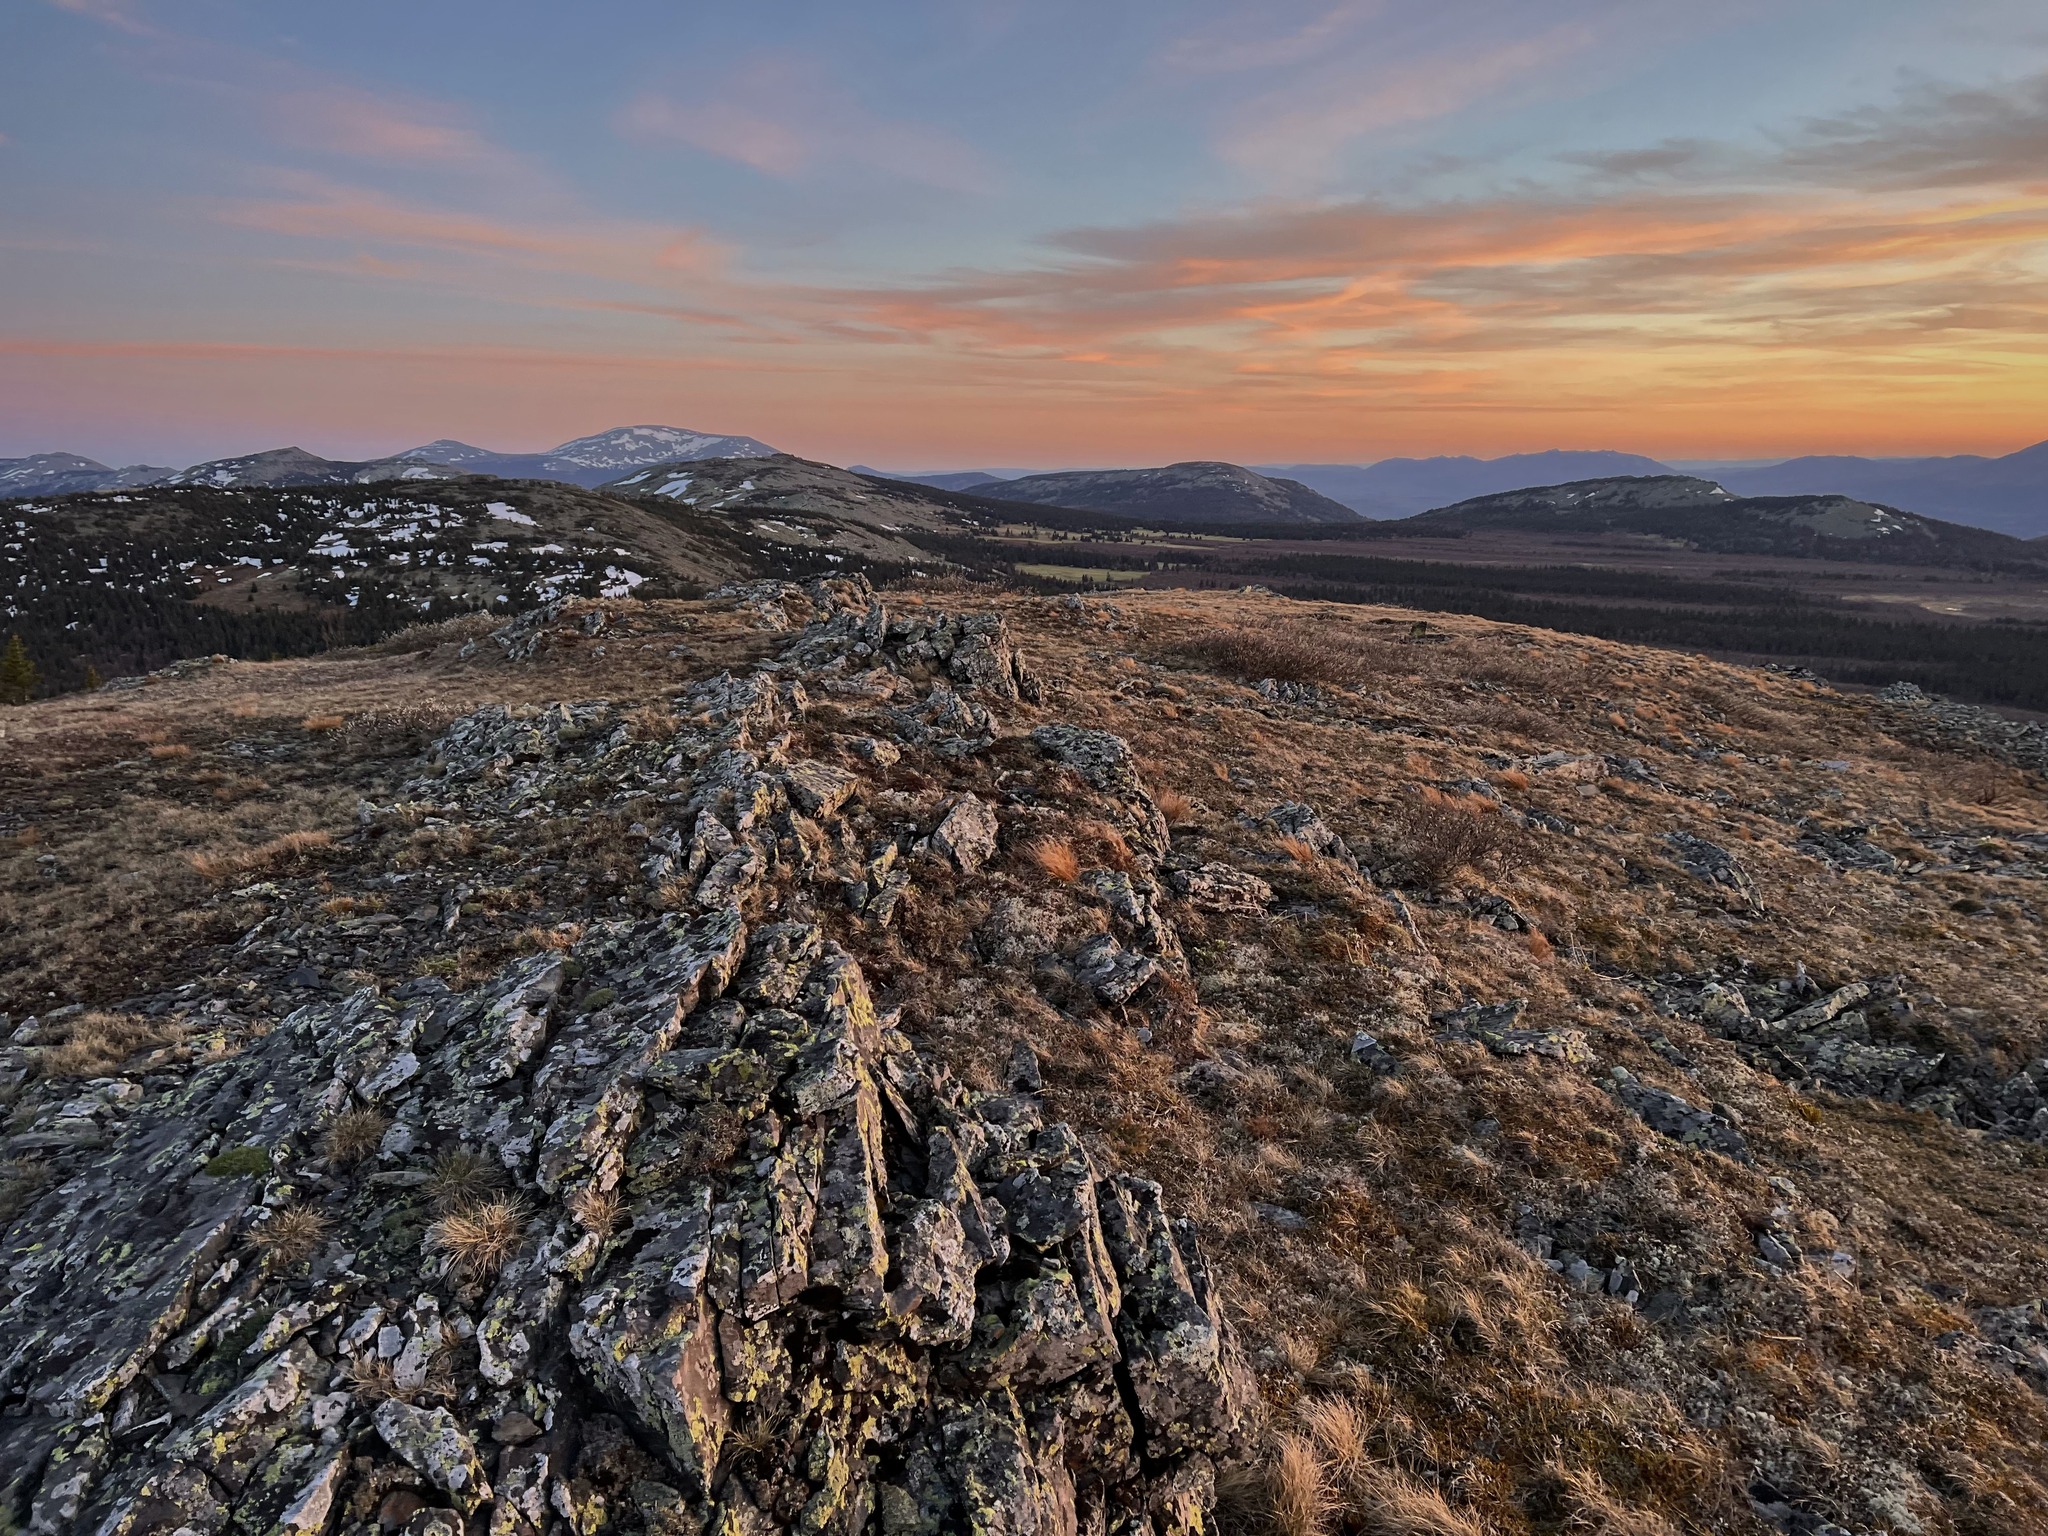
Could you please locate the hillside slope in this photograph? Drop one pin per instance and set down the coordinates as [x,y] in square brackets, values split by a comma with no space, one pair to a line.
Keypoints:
[989,1060]
[1192,493]
[127,581]
[1703,515]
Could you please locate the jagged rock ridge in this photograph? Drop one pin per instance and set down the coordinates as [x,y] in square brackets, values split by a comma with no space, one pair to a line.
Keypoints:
[767,1267]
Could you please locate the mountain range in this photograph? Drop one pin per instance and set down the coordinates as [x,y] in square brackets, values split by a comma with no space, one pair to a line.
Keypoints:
[584,461]
[2008,494]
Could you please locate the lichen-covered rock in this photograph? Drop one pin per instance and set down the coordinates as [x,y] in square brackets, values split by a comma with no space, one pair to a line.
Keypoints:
[1494,1026]
[966,834]
[433,1442]
[1105,762]
[1220,888]
[1714,865]
[1668,1114]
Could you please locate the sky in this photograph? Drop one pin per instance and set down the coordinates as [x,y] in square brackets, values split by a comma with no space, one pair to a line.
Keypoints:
[941,233]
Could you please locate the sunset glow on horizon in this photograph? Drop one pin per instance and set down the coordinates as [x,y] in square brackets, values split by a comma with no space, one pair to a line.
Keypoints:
[926,235]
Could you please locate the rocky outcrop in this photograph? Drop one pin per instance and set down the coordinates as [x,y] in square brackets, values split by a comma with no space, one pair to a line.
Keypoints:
[669,1231]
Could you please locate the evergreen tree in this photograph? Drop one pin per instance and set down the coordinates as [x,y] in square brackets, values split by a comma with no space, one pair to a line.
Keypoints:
[17,673]
[93,680]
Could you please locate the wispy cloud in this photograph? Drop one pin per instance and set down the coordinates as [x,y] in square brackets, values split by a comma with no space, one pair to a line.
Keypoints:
[1248,42]
[787,116]
[1295,135]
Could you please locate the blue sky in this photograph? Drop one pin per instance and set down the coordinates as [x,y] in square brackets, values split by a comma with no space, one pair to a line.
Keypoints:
[926,234]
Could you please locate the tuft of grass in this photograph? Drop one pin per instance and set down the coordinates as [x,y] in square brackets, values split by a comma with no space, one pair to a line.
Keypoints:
[653,722]
[1298,850]
[320,725]
[231,864]
[95,1044]
[1298,1489]
[1397,1505]
[595,1210]
[291,1236]
[478,1239]
[1339,1432]
[462,1178]
[169,752]
[354,1135]
[1054,857]
[20,1179]
[1176,807]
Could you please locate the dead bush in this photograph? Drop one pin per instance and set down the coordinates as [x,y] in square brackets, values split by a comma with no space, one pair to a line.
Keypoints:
[1437,837]
[1285,652]
[95,1044]
[221,865]
[1984,783]
[1176,807]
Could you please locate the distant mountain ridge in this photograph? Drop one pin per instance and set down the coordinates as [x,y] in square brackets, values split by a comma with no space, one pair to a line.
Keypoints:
[1404,487]
[584,461]
[1197,491]
[2008,494]
[590,461]
[1704,515]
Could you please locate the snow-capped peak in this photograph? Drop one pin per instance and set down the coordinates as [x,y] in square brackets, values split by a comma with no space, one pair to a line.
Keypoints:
[631,447]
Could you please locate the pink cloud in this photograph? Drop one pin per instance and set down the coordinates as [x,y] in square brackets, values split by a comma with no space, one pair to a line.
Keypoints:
[786,117]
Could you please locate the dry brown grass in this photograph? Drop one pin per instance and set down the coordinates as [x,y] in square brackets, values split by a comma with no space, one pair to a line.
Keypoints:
[20,1180]
[169,752]
[320,725]
[478,1239]
[405,727]
[222,865]
[1176,807]
[1054,857]
[596,1210]
[95,1044]
[354,1135]
[653,722]
[291,1235]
